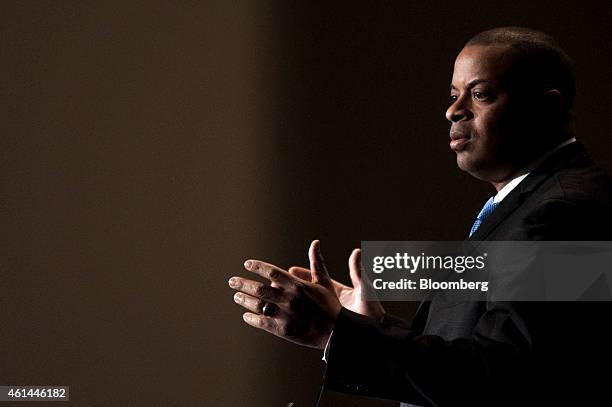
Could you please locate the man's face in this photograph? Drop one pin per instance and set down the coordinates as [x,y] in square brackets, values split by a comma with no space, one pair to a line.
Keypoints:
[488,125]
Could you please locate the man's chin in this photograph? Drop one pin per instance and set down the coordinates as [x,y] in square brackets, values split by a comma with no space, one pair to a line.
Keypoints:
[464,161]
[484,170]
[467,163]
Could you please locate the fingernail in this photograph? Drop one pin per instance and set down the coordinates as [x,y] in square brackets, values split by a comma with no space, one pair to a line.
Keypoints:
[234,282]
[246,317]
[248,264]
[238,297]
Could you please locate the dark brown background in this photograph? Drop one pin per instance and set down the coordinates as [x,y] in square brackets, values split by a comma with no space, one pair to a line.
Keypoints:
[148,149]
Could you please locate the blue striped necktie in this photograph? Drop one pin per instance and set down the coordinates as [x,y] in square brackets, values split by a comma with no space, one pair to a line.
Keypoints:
[486,210]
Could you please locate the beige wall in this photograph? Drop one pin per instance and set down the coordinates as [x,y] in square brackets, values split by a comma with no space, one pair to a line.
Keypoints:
[132,187]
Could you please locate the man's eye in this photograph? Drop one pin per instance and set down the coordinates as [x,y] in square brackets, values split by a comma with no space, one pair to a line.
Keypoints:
[480,95]
[452,98]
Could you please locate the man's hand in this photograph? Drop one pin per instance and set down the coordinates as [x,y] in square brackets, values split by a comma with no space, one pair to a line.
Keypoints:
[350,297]
[305,311]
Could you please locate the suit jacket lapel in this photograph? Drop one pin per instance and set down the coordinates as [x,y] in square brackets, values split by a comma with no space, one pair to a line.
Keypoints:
[420,317]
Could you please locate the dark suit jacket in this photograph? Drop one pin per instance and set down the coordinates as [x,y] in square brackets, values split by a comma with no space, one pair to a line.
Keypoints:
[497,353]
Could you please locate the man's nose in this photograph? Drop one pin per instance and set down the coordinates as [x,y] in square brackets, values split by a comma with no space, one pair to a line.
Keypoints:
[457,112]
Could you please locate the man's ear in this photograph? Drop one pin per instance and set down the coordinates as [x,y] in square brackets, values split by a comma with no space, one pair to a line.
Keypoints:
[553,100]
[554,111]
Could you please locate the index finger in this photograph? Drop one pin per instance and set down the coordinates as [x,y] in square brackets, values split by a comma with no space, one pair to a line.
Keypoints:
[269,271]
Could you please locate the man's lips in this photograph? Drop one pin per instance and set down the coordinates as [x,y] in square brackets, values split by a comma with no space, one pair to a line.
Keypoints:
[458,140]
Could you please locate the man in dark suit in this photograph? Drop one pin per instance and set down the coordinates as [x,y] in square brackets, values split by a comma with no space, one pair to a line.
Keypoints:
[511,125]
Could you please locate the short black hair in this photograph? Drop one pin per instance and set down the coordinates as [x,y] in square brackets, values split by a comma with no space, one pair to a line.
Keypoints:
[542,59]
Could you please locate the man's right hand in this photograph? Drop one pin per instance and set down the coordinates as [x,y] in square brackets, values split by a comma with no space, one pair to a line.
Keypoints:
[350,297]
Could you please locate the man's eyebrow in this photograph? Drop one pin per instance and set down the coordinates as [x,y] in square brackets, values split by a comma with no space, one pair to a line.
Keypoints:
[471,83]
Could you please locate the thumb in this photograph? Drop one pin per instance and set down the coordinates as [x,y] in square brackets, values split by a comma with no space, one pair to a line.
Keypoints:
[317,265]
[355,268]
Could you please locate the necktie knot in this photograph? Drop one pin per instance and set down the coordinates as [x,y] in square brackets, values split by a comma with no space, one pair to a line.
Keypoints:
[486,210]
